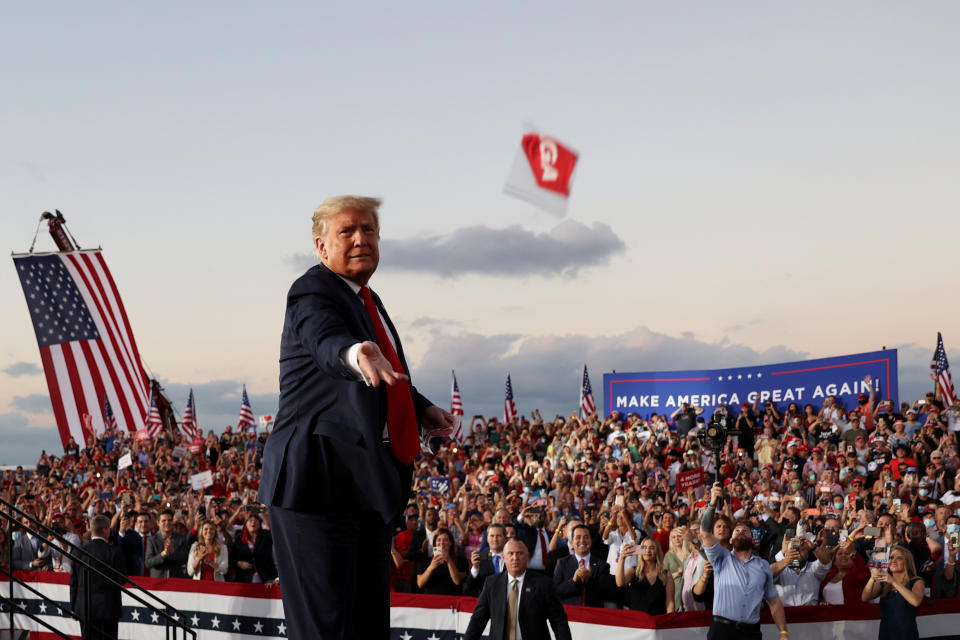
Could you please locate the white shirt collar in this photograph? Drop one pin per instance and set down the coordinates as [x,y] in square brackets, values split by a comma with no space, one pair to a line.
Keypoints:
[585,558]
[350,283]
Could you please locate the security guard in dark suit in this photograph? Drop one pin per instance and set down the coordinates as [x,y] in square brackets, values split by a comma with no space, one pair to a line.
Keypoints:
[94,599]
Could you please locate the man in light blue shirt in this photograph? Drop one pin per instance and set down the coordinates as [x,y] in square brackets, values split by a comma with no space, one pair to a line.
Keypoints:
[741,581]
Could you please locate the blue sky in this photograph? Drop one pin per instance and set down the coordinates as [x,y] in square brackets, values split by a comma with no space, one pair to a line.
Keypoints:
[757,183]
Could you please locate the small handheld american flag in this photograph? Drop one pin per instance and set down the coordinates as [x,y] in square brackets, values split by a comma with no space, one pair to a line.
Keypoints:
[509,407]
[941,368]
[189,422]
[246,421]
[109,420]
[154,423]
[456,406]
[587,405]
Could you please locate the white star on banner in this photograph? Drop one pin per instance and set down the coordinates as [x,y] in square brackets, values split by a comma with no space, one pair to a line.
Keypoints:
[406,635]
[433,637]
[135,615]
[759,375]
[43,607]
[155,617]
[282,629]
[236,625]
[215,622]
[258,627]
[194,620]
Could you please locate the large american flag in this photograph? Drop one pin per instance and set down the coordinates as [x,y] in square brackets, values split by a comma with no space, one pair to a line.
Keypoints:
[587,405]
[509,407]
[86,343]
[941,368]
[189,422]
[154,422]
[246,421]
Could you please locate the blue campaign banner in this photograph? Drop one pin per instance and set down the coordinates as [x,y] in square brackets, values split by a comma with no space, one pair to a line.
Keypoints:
[804,382]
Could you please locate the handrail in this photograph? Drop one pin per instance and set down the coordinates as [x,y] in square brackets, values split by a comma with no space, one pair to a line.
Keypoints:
[23,612]
[171,615]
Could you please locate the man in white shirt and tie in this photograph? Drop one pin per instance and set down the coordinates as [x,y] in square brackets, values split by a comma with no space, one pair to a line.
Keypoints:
[518,603]
[484,564]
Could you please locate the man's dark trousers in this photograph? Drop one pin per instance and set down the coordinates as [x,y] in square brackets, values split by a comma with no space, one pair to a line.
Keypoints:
[338,559]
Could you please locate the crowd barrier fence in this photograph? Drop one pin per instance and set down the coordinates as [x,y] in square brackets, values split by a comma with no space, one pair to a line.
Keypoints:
[221,610]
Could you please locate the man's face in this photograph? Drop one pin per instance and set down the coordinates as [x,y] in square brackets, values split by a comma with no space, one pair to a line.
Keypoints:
[431,518]
[350,245]
[166,524]
[742,538]
[143,524]
[516,557]
[495,539]
[581,542]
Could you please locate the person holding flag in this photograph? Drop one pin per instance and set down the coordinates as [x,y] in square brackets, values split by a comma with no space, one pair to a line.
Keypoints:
[940,373]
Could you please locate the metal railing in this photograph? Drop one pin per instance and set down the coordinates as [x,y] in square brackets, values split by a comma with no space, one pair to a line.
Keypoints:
[175,620]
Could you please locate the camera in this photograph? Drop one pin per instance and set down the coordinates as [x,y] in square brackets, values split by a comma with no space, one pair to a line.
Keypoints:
[714,436]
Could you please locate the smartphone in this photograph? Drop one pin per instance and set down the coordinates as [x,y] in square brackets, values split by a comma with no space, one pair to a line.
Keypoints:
[436,551]
[872,532]
[896,505]
[832,537]
[618,501]
[844,535]
[483,555]
[954,541]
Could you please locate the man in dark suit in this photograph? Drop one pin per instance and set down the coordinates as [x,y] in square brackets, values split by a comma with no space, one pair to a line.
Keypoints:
[100,620]
[517,599]
[484,564]
[132,540]
[581,578]
[338,465]
[167,550]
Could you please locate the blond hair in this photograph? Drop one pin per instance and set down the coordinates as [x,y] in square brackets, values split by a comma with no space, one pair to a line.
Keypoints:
[640,573]
[332,206]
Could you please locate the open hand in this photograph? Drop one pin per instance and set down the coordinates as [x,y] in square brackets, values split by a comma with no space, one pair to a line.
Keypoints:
[375,365]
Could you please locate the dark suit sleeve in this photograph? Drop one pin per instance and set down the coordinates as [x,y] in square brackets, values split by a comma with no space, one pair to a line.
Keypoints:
[481,613]
[564,584]
[316,318]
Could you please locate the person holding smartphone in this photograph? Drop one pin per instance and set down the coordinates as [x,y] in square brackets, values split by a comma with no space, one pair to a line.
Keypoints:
[900,592]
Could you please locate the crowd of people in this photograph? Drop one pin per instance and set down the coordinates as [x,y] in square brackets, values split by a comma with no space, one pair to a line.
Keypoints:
[845,504]
[164,527]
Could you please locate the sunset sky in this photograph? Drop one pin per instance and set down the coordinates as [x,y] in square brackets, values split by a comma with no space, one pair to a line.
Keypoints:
[758,183]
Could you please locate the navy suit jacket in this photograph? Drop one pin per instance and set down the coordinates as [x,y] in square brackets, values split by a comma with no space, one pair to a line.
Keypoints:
[538,604]
[600,585]
[326,452]
[104,595]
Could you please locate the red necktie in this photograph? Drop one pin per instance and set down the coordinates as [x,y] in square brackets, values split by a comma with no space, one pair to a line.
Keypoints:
[583,585]
[401,417]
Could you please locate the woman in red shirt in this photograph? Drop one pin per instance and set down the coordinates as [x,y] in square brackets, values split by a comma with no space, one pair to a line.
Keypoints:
[844,583]
[208,558]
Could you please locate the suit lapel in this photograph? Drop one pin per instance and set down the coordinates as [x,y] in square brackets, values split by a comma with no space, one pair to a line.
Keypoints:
[353,301]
